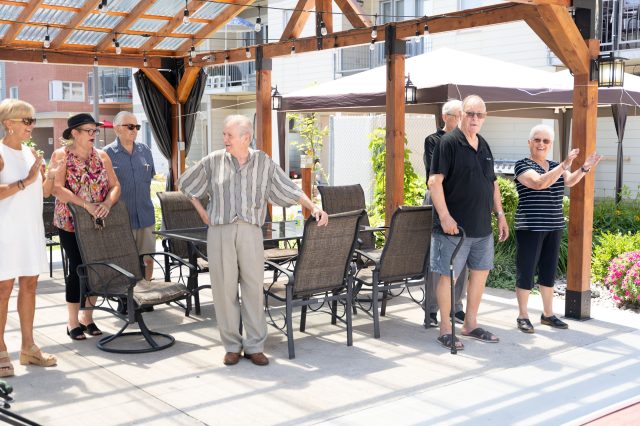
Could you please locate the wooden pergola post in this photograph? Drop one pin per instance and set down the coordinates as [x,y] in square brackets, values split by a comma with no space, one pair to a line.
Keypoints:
[263,102]
[394,139]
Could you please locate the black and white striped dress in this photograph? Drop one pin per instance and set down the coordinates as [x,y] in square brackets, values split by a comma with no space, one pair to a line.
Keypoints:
[538,209]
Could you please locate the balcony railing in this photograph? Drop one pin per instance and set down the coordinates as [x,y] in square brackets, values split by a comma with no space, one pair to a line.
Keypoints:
[240,77]
[620,27]
[352,60]
[115,85]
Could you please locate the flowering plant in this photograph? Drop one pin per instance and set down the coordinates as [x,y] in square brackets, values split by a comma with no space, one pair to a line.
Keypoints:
[623,278]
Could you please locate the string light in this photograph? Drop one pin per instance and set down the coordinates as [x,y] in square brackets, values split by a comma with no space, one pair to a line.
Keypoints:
[47,40]
[192,52]
[247,52]
[416,39]
[426,30]
[116,44]
[372,46]
[293,49]
[374,31]
[258,26]
[95,60]
[145,61]
[226,57]
[323,27]
[102,7]
[190,61]
[44,58]
[185,18]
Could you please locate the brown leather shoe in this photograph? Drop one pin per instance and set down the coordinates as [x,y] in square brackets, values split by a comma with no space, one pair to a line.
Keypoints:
[231,358]
[258,358]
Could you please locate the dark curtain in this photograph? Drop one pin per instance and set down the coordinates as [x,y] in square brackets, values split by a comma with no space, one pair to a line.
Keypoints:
[158,112]
[191,107]
[620,120]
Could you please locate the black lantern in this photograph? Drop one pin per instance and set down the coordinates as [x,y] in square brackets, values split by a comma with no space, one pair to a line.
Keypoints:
[276,100]
[610,71]
[410,92]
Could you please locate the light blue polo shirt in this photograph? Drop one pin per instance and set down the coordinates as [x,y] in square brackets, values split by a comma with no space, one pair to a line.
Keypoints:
[134,171]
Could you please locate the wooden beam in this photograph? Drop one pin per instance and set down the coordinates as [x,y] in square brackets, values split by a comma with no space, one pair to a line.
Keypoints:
[227,14]
[263,111]
[168,28]
[298,20]
[26,14]
[84,11]
[471,19]
[394,138]
[564,3]
[578,295]
[124,24]
[567,40]
[187,81]
[161,83]
[324,7]
[76,58]
[354,13]
[541,30]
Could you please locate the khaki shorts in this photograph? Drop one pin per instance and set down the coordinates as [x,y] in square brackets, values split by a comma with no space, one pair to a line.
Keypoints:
[145,240]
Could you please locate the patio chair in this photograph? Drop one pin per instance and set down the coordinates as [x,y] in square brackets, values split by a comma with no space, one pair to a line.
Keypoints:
[323,273]
[179,213]
[112,270]
[403,262]
[50,231]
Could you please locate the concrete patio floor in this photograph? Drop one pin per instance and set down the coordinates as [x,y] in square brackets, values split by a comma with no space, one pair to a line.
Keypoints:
[405,377]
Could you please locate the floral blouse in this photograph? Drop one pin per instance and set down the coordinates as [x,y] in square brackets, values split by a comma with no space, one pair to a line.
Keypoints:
[87,179]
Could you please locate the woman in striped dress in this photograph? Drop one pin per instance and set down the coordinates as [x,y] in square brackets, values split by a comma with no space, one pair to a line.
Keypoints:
[539,221]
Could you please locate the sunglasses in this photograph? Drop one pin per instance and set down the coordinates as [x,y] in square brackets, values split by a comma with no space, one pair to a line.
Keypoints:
[480,115]
[130,126]
[544,141]
[98,223]
[90,132]
[26,121]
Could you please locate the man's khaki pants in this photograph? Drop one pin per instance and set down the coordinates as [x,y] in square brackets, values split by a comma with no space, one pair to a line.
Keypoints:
[236,255]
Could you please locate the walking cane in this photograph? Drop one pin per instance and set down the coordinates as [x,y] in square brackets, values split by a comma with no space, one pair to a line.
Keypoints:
[453,297]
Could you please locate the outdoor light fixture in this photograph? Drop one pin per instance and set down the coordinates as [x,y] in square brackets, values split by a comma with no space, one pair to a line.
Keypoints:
[190,61]
[258,26]
[44,58]
[372,46]
[102,7]
[192,51]
[276,100]
[374,31]
[247,52]
[426,30]
[323,26]
[116,44]
[293,49]
[410,92]
[47,40]
[95,60]
[145,62]
[226,57]
[185,18]
[609,69]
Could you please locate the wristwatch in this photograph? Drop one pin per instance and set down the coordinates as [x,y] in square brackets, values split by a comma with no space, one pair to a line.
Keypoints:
[584,170]
[500,213]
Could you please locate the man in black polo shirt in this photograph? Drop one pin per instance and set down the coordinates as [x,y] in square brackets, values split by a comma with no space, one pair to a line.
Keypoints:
[464,191]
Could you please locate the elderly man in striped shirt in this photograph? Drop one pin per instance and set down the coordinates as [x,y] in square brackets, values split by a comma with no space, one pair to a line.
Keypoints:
[240,182]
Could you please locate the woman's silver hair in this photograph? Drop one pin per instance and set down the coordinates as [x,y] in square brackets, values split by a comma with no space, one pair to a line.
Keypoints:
[244,124]
[451,105]
[119,118]
[14,108]
[541,128]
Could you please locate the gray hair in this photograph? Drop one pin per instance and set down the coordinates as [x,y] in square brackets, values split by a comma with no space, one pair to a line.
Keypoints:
[119,118]
[244,124]
[473,99]
[451,105]
[541,128]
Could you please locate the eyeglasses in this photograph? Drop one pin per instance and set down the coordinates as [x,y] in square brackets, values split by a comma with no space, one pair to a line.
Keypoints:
[90,132]
[544,141]
[130,126]
[450,114]
[480,115]
[26,121]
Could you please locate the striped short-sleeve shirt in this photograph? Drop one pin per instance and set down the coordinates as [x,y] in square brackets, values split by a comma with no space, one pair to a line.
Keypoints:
[538,209]
[239,192]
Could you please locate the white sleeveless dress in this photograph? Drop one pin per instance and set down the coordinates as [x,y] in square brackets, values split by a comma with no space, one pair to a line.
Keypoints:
[22,242]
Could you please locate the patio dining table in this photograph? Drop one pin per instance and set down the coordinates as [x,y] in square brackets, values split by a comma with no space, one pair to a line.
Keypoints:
[271,231]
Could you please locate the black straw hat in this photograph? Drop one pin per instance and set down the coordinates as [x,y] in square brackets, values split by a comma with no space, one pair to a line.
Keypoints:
[77,121]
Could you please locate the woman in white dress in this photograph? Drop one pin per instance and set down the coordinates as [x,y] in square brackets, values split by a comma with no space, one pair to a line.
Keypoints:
[22,244]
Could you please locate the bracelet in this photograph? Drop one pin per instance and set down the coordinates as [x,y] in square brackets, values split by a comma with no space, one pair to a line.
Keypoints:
[584,170]
[20,185]
[500,213]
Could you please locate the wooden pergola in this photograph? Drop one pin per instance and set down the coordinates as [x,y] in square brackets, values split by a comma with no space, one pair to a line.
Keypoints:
[153,32]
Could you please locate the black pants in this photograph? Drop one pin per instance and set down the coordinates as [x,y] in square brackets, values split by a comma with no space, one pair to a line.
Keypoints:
[537,251]
[72,251]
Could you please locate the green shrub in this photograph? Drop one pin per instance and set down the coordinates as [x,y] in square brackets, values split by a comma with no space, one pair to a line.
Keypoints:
[611,245]
[623,217]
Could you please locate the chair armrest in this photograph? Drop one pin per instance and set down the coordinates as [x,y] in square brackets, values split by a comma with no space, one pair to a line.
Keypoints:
[201,255]
[282,269]
[84,266]
[374,259]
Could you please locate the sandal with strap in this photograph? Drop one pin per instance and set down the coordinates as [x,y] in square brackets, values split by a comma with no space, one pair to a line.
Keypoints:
[36,357]
[91,329]
[446,340]
[6,368]
[482,335]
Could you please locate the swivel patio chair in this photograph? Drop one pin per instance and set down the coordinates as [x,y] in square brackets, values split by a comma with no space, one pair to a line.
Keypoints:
[403,262]
[179,213]
[323,274]
[50,231]
[112,270]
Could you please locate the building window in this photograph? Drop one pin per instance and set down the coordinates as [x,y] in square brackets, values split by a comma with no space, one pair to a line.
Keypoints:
[13,92]
[72,91]
[391,11]
[470,4]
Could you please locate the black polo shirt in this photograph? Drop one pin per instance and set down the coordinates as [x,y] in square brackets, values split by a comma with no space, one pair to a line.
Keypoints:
[468,182]
[430,143]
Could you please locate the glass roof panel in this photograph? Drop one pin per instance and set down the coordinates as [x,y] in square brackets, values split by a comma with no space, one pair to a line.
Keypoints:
[209,10]
[166,8]
[122,5]
[10,13]
[89,38]
[36,33]
[169,43]
[68,3]
[52,16]
[3,29]
[150,25]
[101,20]
[190,28]
[130,40]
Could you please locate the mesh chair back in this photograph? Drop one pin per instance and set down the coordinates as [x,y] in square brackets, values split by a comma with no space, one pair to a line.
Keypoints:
[48,207]
[179,213]
[112,244]
[406,250]
[325,253]
[347,198]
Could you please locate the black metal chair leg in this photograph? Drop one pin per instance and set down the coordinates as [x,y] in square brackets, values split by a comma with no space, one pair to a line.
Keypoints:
[303,317]
[374,310]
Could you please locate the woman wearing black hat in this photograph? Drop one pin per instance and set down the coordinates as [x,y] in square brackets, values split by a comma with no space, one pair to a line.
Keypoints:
[85,178]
